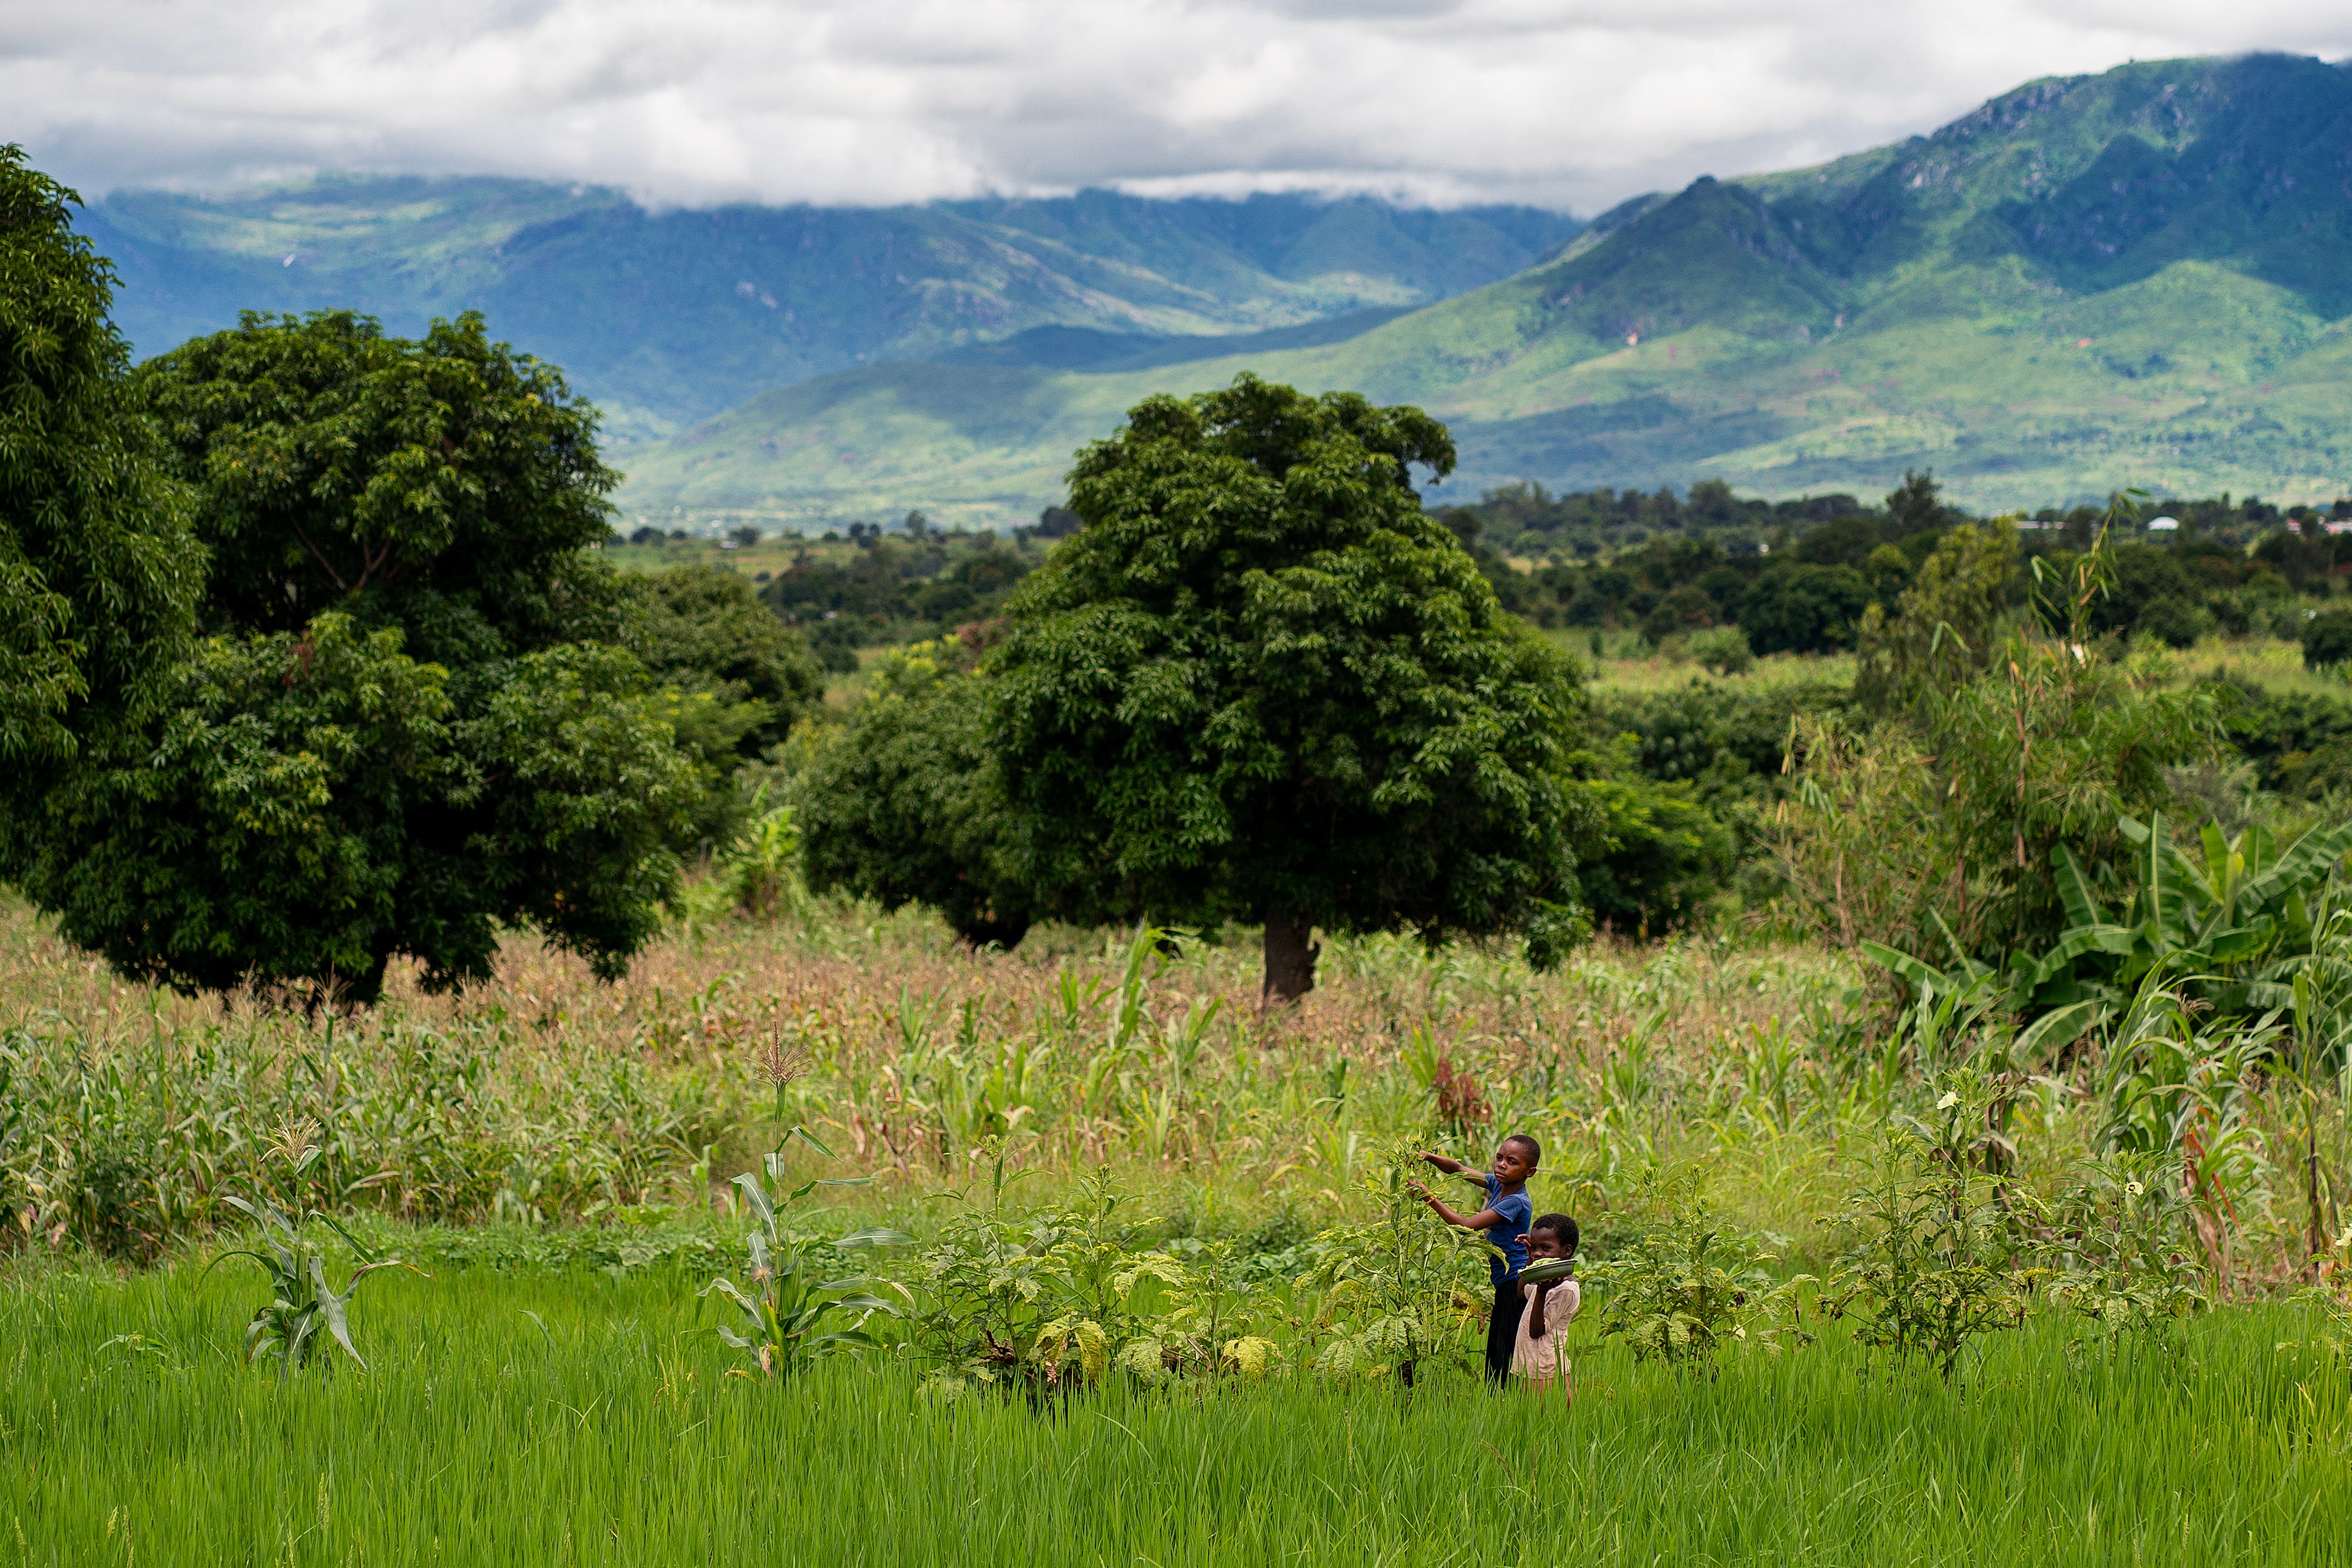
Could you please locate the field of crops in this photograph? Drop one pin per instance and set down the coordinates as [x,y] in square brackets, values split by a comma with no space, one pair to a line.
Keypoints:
[1087,1146]
[569,1418]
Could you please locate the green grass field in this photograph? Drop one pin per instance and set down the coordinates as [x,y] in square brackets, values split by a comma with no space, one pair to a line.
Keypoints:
[571,1418]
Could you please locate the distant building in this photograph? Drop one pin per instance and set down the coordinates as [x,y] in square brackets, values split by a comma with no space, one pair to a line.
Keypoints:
[2163,524]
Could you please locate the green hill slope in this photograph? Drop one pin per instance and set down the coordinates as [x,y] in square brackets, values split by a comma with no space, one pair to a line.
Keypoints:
[2136,277]
[666,318]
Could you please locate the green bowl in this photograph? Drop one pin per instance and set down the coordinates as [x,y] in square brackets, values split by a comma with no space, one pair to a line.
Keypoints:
[1559,1268]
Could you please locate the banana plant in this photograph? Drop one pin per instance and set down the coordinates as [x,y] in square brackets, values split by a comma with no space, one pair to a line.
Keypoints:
[791,1316]
[2231,922]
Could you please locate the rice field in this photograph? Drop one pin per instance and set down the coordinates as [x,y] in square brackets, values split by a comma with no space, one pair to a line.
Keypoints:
[572,1418]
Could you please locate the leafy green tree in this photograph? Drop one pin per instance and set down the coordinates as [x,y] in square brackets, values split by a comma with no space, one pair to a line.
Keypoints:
[734,680]
[1917,505]
[1261,684]
[301,815]
[97,572]
[905,806]
[1797,608]
[449,486]
[1947,626]
[2327,638]
[704,629]
[1661,854]
[2175,621]
[413,681]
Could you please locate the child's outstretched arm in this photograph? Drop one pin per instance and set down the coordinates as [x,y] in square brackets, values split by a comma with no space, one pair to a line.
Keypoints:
[1484,1219]
[1454,1167]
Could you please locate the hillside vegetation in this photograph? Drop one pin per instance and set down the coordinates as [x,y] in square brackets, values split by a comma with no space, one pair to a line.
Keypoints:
[667,317]
[2128,279]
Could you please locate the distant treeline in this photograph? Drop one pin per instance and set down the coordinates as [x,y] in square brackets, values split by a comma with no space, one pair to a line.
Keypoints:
[1526,521]
[1792,575]
[1797,576]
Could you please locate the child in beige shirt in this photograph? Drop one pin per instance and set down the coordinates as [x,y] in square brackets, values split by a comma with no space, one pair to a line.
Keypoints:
[1548,1307]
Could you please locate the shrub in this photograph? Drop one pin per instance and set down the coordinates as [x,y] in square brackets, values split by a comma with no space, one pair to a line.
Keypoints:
[2327,638]
[1662,855]
[2174,620]
[905,805]
[1689,1284]
[1722,649]
[1797,608]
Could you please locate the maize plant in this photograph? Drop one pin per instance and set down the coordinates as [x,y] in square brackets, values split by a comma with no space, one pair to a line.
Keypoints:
[792,1316]
[301,1301]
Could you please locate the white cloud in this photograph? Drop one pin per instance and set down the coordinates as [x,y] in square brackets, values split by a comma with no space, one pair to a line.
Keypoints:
[1575,102]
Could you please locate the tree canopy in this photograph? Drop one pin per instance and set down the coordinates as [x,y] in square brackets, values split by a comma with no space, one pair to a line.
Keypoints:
[907,806]
[411,721]
[97,572]
[1261,684]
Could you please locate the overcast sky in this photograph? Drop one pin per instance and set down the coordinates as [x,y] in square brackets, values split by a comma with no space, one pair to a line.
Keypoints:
[1571,103]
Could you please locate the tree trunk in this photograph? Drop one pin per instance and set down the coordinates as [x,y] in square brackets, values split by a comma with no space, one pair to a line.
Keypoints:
[1290,955]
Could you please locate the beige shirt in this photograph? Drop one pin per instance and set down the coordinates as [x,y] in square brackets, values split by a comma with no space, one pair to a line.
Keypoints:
[1541,1358]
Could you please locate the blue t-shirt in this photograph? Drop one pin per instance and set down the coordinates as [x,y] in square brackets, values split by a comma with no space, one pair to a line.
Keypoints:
[1518,1211]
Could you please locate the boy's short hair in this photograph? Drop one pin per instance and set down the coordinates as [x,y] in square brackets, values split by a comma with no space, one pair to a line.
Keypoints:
[1534,1149]
[1560,1226]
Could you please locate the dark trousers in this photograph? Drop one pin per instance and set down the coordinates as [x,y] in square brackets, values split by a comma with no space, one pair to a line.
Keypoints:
[1503,1330]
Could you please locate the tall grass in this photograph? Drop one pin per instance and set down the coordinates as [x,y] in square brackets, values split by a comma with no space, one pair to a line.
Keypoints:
[542,1419]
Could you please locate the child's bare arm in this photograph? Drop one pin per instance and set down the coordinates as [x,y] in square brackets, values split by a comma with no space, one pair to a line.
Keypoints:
[1536,1311]
[1454,1167]
[1484,1219]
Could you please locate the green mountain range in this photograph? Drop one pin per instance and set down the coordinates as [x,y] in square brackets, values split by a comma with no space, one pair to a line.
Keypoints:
[2140,277]
[665,318]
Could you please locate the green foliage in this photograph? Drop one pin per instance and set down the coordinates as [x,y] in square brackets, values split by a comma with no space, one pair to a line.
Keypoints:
[446,485]
[408,728]
[1947,628]
[97,574]
[2174,620]
[788,1312]
[301,1301]
[734,680]
[906,804]
[1661,854]
[2119,1256]
[1688,1284]
[1028,1303]
[703,629]
[1939,1249]
[1262,685]
[894,588]
[220,859]
[2058,750]
[1723,650]
[762,868]
[1395,1293]
[2327,638]
[2301,742]
[1799,608]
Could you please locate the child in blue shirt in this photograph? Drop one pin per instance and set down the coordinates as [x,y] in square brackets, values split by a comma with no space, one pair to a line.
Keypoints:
[1504,1220]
